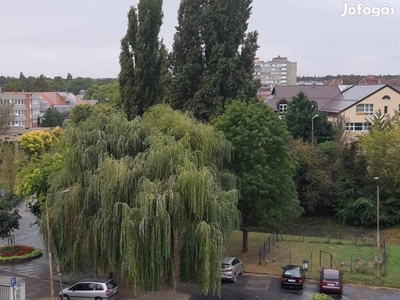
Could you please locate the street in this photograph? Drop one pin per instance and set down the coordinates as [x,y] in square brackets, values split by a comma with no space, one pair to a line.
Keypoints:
[247,286]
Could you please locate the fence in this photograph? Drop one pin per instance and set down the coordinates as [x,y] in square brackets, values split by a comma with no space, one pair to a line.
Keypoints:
[266,247]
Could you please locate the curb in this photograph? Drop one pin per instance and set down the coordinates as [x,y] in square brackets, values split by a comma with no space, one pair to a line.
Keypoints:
[20,260]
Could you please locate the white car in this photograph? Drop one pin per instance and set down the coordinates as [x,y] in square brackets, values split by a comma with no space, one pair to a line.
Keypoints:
[231,268]
[95,289]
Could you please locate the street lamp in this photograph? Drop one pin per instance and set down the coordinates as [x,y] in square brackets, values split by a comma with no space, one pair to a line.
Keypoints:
[48,239]
[378,252]
[312,130]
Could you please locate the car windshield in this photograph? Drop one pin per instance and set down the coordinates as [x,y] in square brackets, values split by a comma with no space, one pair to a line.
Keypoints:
[331,275]
[111,284]
[292,272]
[225,266]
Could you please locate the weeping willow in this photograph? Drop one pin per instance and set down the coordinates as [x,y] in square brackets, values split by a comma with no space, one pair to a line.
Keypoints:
[142,192]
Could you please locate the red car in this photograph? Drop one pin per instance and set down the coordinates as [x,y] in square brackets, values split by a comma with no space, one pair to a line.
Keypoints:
[331,281]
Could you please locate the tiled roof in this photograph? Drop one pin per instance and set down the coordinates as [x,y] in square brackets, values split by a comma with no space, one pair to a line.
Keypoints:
[53,98]
[321,94]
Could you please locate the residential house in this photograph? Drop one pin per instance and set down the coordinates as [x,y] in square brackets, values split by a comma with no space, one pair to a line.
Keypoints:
[356,103]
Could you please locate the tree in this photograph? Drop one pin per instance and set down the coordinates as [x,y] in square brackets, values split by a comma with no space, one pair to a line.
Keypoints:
[263,164]
[22,76]
[213,58]
[80,113]
[381,150]
[142,59]
[36,143]
[109,92]
[6,117]
[9,159]
[299,120]
[149,182]
[52,118]
[9,217]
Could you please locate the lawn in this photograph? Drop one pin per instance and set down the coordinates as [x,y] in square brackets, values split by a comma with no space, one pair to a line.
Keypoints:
[357,262]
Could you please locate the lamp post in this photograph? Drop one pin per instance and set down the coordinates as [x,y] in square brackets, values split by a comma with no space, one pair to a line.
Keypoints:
[312,130]
[378,246]
[48,239]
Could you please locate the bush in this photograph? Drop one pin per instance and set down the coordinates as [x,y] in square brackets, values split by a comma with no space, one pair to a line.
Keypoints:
[321,297]
[10,251]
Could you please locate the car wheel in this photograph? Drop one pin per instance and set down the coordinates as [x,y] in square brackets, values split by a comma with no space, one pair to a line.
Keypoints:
[64,297]
[98,298]
[234,277]
[241,271]
[301,287]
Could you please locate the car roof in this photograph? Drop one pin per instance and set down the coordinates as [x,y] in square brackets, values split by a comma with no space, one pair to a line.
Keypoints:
[287,267]
[98,280]
[331,271]
[228,260]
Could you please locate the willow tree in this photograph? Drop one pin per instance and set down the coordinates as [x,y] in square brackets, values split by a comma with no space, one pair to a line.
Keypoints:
[138,186]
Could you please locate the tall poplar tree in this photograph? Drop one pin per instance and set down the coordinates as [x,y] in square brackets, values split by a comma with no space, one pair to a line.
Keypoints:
[142,59]
[213,57]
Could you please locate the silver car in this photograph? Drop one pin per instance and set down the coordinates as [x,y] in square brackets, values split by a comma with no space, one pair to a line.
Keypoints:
[231,268]
[96,289]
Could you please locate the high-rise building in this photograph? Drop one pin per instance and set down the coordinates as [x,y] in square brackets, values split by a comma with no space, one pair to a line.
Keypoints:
[279,71]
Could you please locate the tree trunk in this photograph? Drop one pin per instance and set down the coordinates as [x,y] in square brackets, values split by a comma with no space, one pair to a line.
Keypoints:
[245,240]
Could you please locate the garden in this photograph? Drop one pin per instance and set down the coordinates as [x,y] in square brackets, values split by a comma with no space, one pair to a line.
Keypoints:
[18,253]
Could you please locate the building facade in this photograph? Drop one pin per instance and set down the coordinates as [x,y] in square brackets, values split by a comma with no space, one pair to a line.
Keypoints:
[279,71]
[26,108]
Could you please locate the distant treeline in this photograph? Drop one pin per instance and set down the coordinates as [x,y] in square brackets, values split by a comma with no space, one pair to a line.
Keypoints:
[45,84]
[347,79]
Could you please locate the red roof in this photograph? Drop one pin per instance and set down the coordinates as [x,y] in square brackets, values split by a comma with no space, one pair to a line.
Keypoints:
[53,98]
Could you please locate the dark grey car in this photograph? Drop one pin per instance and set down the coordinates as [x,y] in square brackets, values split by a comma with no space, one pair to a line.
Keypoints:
[96,289]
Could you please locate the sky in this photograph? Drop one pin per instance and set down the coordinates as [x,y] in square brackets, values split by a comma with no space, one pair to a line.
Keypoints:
[82,37]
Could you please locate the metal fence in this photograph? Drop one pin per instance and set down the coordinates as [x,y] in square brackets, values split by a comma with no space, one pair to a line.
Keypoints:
[266,247]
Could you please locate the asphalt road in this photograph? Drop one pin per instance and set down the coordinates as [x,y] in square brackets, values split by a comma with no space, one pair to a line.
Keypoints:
[249,287]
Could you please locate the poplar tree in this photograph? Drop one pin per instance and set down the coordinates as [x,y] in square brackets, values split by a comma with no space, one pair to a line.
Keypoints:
[213,57]
[142,59]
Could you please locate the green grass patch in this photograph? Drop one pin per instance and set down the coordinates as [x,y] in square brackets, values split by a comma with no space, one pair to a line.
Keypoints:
[356,261]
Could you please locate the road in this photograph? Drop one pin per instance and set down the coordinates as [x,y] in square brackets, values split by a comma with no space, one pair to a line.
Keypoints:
[247,286]
[250,287]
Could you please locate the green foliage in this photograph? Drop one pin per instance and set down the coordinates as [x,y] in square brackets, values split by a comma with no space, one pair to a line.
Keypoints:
[104,93]
[142,59]
[36,175]
[9,159]
[299,120]
[138,186]
[213,57]
[9,216]
[52,118]
[5,116]
[381,150]
[355,188]
[80,113]
[321,297]
[315,176]
[262,162]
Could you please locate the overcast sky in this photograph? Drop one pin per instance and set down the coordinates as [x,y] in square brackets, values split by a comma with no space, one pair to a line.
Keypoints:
[82,37]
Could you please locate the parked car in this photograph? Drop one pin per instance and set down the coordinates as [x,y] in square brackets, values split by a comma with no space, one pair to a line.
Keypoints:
[331,281]
[293,276]
[96,289]
[231,268]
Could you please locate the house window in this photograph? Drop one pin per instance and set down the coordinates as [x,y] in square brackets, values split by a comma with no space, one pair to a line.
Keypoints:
[386,97]
[282,108]
[367,109]
[357,126]
[385,110]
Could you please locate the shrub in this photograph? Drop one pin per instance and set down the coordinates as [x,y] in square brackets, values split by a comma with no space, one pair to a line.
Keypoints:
[10,251]
[321,297]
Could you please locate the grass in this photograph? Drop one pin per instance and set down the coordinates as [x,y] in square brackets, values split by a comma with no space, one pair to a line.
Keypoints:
[357,262]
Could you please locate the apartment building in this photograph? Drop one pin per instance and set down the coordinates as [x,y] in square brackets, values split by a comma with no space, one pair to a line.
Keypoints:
[279,71]
[26,108]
